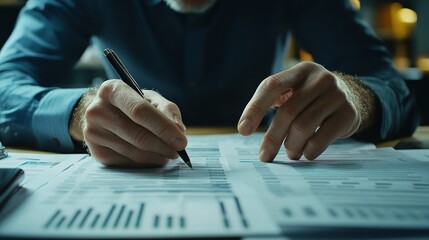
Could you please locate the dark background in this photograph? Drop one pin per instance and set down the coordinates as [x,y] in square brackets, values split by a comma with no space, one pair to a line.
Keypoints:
[407,41]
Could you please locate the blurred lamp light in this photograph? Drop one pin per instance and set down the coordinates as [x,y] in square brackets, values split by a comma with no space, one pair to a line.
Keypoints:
[407,15]
[395,21]
[423,63]
[355,4]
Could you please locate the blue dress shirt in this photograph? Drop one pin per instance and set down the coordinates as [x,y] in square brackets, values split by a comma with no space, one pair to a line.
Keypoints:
[209,64]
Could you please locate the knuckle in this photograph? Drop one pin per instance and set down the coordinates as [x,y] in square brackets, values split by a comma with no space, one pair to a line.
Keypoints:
[138,110]
[327,76]
[271,140]
[93,111]
[327,79]
[302,127]
[142,137]
[255,109]
[171,107]
[89,133]
[106,89]
[163,131]
[272,83]
[309,65]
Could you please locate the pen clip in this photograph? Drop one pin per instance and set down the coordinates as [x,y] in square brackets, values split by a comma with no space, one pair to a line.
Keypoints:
[122,71]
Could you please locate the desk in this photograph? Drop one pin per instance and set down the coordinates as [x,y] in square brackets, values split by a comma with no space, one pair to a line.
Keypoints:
[328,169]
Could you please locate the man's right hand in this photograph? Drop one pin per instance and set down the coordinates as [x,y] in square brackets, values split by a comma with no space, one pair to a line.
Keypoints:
[121,129]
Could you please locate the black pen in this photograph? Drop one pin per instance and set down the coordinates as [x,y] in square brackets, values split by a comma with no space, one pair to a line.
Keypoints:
[123,73]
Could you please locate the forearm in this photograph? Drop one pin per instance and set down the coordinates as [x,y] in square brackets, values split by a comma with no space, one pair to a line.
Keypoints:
[35,116]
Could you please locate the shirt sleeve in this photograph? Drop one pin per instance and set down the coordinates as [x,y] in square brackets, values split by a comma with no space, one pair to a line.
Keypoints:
[47,41]
[338,38]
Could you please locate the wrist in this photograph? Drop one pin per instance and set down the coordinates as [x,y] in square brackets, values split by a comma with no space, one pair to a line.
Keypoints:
[362,98]
[77,121]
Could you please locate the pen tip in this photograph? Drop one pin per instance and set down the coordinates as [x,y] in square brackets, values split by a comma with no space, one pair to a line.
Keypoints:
[184,155]
[189,164]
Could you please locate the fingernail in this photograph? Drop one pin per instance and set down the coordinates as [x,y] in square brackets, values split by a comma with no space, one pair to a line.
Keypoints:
[265,156]
[245,127]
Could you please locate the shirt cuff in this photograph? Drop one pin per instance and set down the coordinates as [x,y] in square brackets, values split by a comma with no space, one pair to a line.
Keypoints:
[51,119]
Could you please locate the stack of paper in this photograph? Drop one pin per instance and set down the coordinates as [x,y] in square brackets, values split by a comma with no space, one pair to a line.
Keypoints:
[229,193]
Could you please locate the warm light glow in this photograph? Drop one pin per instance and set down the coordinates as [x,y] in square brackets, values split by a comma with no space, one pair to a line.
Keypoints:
[423,63]
[407,15]
[355,4]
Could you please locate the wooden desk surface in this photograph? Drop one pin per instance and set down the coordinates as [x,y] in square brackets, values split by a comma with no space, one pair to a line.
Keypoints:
[421,136]
[210,130]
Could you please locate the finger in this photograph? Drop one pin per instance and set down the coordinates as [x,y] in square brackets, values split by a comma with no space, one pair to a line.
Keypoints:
[110,158]
[329,131]
[282,99]
[106,139]
[142,112]
[268,91]
[287,114]
[306,123]
[111,119]
[170,109]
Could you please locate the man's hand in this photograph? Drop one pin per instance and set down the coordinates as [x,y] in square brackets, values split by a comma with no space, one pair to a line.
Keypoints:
[315,107]
[122,129]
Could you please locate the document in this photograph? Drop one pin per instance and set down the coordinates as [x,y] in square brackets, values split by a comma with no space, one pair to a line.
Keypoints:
[419,154]
[39,168]
[228,193]
[355,187]
[90,200]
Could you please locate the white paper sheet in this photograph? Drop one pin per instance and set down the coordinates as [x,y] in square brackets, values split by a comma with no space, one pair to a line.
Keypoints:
[89,200]
[418,154]
[39,168]
[353,186]
[229,193]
